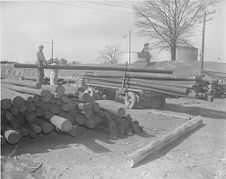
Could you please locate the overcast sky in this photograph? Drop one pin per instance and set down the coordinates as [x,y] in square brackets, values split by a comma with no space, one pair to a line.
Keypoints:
[81,28]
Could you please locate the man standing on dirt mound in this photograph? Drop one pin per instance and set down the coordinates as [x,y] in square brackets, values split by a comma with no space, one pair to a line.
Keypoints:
[146,54]
[41,61]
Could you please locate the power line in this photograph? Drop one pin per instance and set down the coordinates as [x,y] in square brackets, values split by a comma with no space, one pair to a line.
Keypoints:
[79,6]
[25,41]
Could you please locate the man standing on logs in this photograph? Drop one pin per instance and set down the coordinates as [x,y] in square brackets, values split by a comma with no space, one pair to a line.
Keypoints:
[41,61]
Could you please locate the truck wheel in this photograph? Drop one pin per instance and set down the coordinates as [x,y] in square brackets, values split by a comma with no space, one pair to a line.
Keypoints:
[91,91]
[130,100]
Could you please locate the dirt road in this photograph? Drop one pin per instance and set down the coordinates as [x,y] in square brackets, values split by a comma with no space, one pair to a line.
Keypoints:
[90,154]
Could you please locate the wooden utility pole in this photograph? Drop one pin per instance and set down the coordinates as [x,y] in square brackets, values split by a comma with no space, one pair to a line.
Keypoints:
[129,46]
[203,42]
[52,49]
[203,37]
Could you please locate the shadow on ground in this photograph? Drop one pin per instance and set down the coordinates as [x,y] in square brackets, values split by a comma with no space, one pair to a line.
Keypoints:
[91,139]
[54,141]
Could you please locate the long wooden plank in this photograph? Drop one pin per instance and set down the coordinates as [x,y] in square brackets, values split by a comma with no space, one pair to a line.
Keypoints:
[155,146]
[22,83]
[139,76]
[89,67]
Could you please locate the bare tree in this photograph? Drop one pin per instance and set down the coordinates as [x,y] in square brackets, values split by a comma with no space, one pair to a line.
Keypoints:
[168,23]
[110,54]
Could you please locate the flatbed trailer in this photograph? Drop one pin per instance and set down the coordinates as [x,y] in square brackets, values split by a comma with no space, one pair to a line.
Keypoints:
[133,97]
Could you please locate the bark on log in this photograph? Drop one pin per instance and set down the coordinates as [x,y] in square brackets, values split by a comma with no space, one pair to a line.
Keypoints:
[22,109]
[12,136]
[6,104]
[15,111]
[54,109]
[114,109]
[20,119]
[73,113]
[18,101]
[72,105]
[84,97]
[23,131]
[65,107]
[65,99]
[66,116]
[46,95]
[35,127]
[8,116]
[39,112]
[2,140]
[13,124]
[88,112]
[31,116]
[45,126]
[155,146]
[61,123]
[60,89]
[32,134]
[30,107]
[90,123]
[80,119]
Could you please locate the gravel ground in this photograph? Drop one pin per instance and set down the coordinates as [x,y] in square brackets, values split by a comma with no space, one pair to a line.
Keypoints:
[90,154]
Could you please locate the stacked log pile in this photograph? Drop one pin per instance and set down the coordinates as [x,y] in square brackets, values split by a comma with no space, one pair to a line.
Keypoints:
[217,89]
[50,109]
[199,89]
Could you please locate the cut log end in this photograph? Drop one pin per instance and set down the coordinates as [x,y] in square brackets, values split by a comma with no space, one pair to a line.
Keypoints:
[66,126]
[12,136]
[129,162]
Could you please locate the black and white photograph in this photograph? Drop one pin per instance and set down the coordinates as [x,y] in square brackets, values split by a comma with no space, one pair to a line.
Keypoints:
[113,89]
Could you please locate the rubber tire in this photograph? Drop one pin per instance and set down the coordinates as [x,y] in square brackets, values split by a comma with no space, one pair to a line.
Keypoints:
[91,92]
[130,100]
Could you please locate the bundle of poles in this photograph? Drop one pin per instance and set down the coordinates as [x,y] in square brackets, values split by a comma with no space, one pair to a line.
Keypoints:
[160,84]
[29,110]
[135,78]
